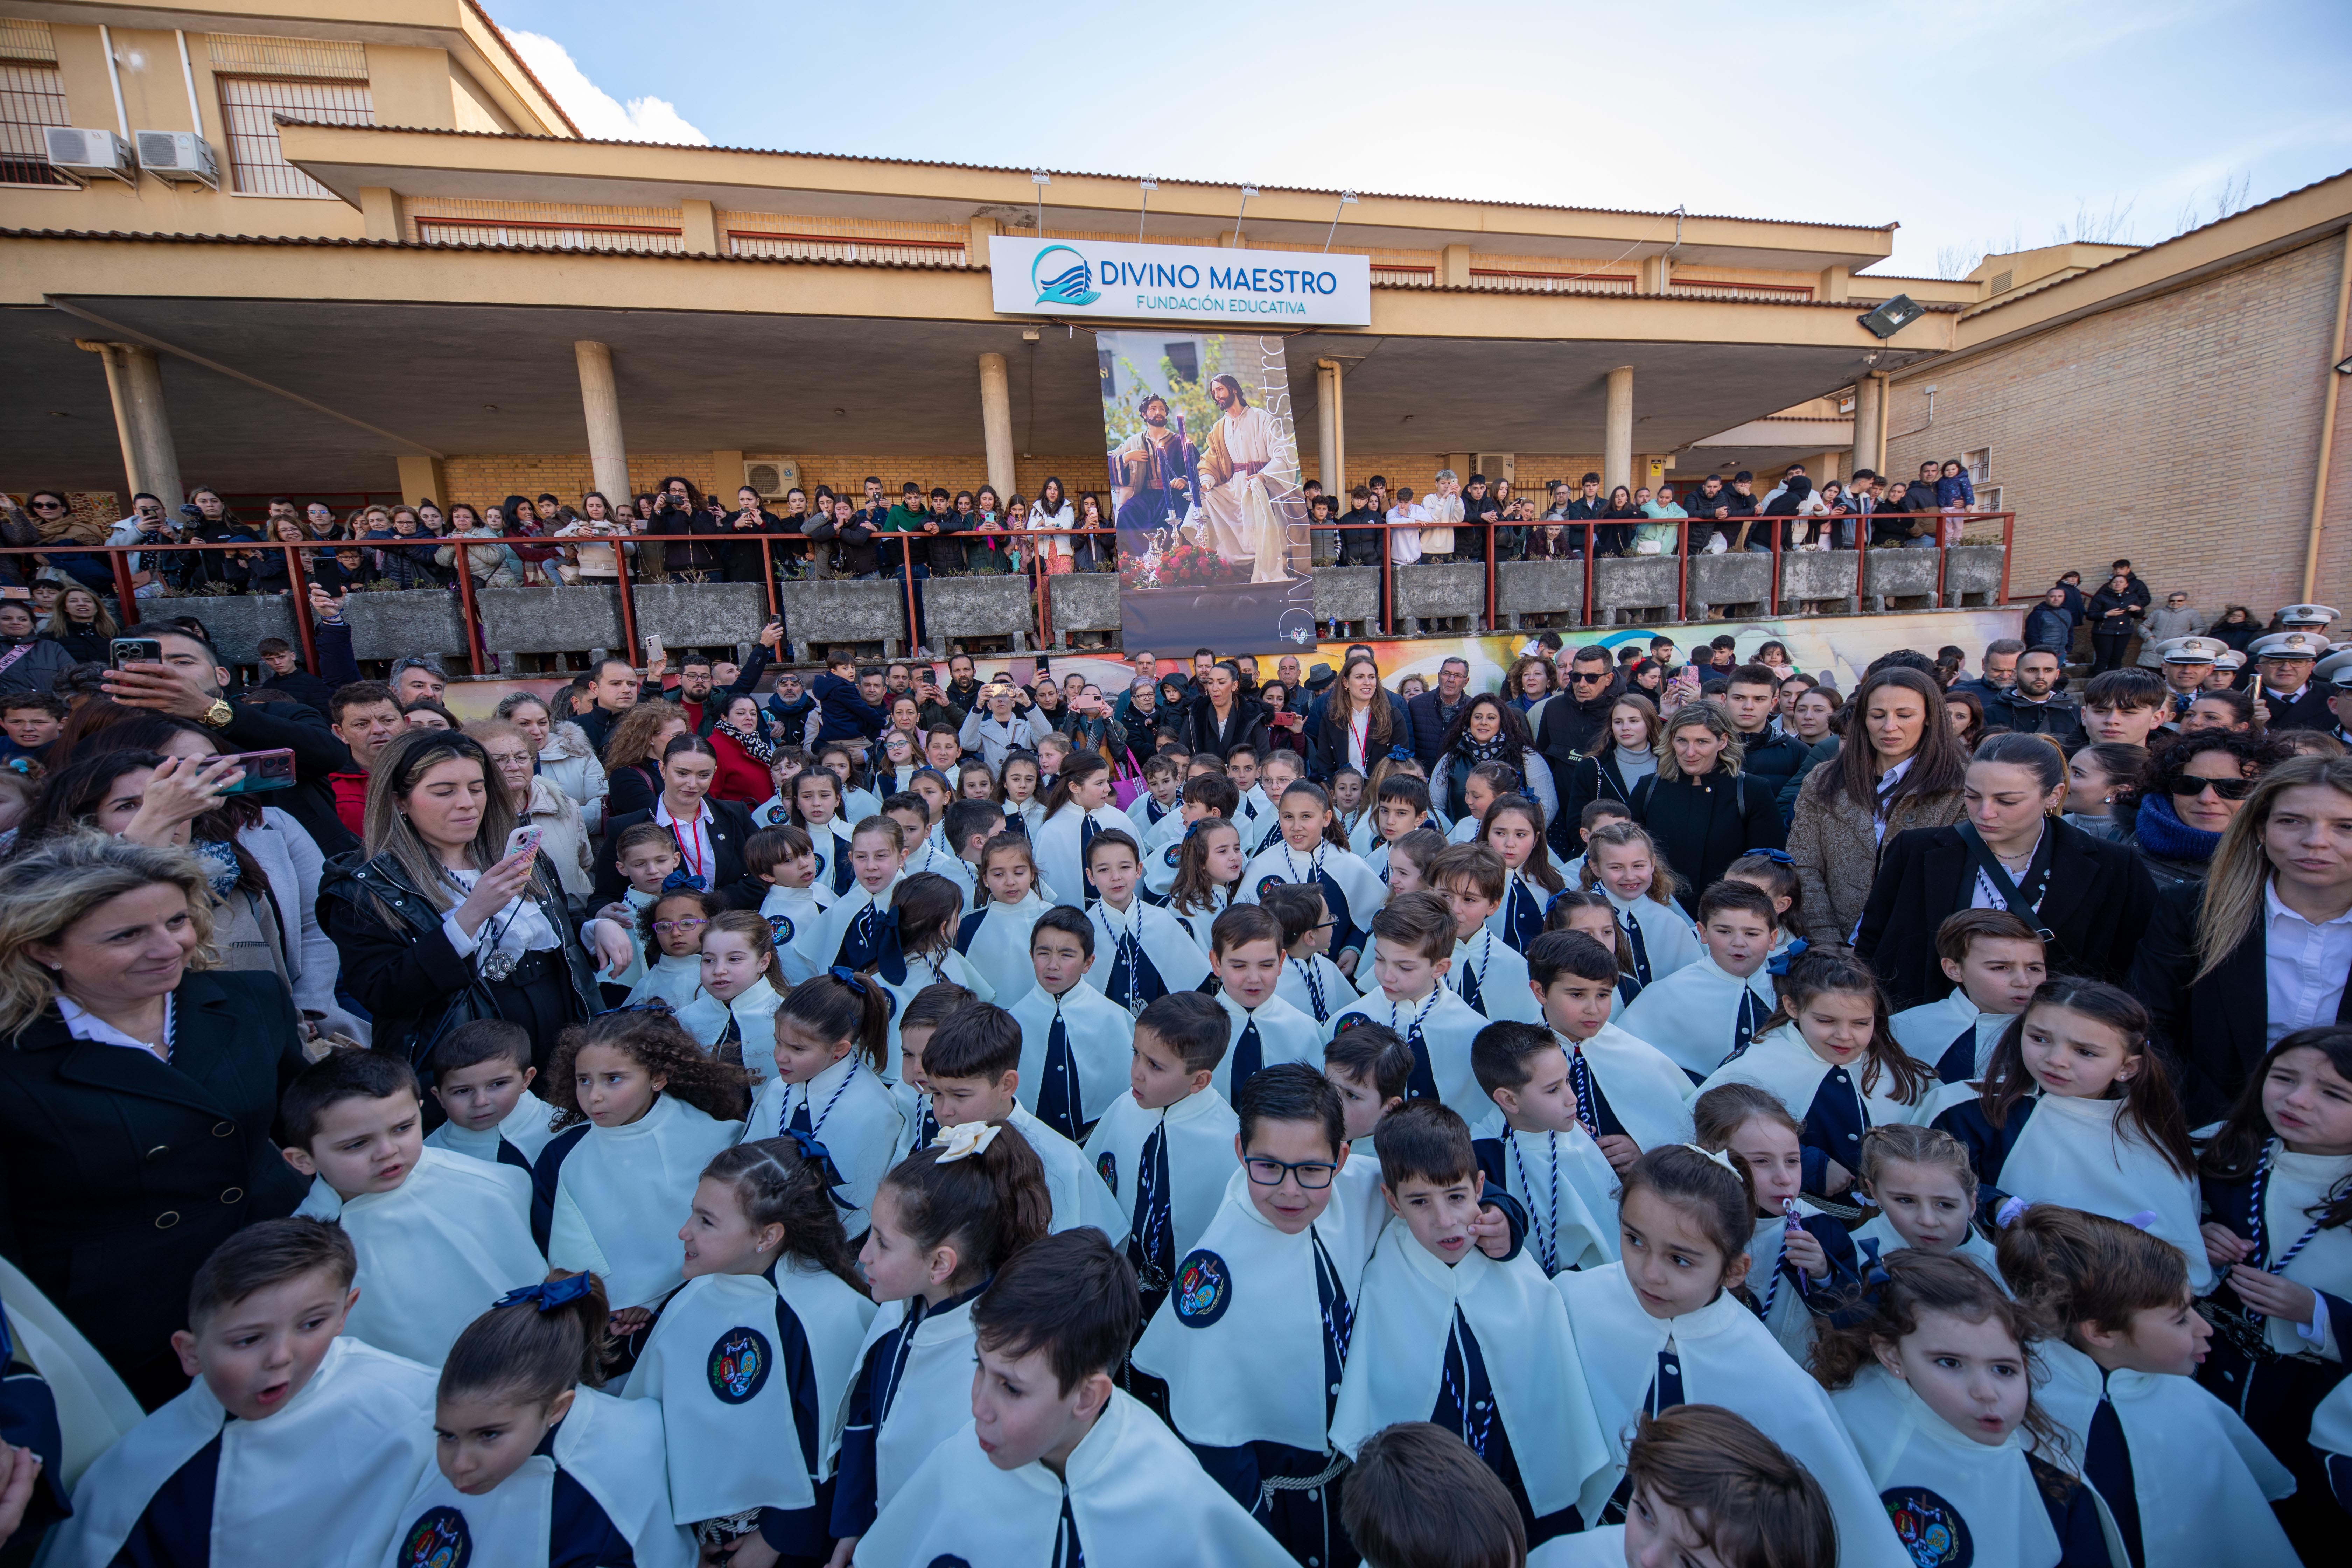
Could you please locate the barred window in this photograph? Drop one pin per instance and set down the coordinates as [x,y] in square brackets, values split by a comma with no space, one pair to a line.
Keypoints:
[250,107]
[32,98]
[549,236]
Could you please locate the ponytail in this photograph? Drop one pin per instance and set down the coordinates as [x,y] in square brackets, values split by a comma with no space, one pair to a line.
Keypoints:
[776,1184]
[2079,1267]
[832,1009]
[987,1205]
[1076,768]
[533,1347]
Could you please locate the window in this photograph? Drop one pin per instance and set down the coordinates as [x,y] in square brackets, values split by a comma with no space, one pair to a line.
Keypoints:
[249,107]
[32,99]
[549,236]
[1183,359]
[1978,464]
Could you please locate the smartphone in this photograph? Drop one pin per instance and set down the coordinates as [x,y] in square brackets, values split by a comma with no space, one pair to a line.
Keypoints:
[522,838]
[135,650]
[263,770]
[654,649]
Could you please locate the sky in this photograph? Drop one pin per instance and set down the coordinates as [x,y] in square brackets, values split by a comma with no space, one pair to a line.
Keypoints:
[1993,125]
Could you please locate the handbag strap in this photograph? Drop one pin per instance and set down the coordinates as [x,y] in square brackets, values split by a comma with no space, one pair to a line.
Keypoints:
[1981,858]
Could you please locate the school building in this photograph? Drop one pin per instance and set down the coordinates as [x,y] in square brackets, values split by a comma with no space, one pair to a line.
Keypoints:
[357,251]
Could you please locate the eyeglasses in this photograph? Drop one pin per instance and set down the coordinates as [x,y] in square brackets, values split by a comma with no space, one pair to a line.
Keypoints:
[2228,789]
[1313,1175]
[1580,678]
[678,928]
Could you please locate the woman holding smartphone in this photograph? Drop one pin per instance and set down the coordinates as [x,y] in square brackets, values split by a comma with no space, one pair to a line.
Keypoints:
[449,918]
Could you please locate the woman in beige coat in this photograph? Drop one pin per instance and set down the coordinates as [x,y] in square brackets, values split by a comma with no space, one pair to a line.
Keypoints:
[1900,768]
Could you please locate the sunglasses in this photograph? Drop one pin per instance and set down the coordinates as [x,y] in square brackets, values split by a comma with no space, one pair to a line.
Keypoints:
[47,506]
[2228,789]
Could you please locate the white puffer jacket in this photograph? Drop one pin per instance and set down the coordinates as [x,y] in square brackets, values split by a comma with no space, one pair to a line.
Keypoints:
[569,763]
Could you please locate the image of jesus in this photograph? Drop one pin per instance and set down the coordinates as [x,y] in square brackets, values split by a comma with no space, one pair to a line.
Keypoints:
[1243,523]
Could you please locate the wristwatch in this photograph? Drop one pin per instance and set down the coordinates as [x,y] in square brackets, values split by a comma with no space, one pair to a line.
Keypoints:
[218,715]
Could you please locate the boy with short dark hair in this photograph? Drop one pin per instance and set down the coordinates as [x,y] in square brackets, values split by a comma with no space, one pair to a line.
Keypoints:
[1629,1095]
[1147,953]
[297,1443]
[1994,961]
[1245,951]
[972,1062]
[1418,1497]
[30,725]
[1310,981]
[437,1233]
[644,854]
[1254,1338]
[1401,806]
[1052,1329]
[1533,1147]
[1372,1067]
[482,1077]
[965,827]
[784,857]
[1489,976]
[1416,938]
[1163,778]
[1165,1148]
[1204,795]
[1595,813]
[1704,1013]
[1075,1047]
[1446,1334]
[1253,810]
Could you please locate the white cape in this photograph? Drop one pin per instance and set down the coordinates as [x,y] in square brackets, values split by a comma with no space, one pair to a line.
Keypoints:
[714,1367]
[435,1252]
[603,1444]
[1727,1357]
[1137,1496]
[1396,1362]
[1339,991]
[854,1114]
[1166,942]
[754,1012]
[999,947]
[2077,1152]
[623,1191]
[1101,1036]
[525,1127]
[674,979]
[1647,1093]
[1666,934]
[934,1396]
[1502,976]
[1078,1193]
[1928,1030]
[789,911]
[1056,847]
[1199,1130]
[1691,1014]
[1284,1034]
[1781,1062]
[1361,892]
[320,1483]
[94,1406]
[1564,1182]
[1448,1028]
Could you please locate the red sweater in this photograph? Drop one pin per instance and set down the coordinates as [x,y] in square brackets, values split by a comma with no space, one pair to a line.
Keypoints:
[742,777]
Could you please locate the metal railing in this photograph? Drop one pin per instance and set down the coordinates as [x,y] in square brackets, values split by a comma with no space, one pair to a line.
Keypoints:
[628,572]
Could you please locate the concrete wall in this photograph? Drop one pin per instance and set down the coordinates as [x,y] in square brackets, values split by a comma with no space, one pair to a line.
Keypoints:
[2181,431]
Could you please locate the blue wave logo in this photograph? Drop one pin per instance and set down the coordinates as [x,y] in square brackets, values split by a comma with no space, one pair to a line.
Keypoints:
[1073,284]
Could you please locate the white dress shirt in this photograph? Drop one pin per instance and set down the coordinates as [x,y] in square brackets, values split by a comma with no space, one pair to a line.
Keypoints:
[693,839]
[84,1024]
[2304,965]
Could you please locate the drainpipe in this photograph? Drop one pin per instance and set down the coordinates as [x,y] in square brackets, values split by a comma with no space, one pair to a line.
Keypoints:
[2327,425]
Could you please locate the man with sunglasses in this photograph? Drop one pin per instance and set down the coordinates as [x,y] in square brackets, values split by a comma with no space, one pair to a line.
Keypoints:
[1575,720]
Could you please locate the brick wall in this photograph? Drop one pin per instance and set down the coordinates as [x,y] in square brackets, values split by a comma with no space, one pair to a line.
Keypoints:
[2181,431]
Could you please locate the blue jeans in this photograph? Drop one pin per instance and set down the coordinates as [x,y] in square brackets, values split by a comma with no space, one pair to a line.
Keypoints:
[922,574]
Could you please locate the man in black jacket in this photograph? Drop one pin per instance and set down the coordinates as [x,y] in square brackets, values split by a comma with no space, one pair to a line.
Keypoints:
[1709,503]
[2296,701]
[2036,706]
[1752,693]
[617,690]
[1433,712]
[1575,723]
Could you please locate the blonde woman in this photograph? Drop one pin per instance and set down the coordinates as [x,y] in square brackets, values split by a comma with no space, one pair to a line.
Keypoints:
[137,1090]
[1700,810]
[2279,886]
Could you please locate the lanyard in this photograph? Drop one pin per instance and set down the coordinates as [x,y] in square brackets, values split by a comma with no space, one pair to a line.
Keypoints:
[1547,1239]
[2254,1224]
[687,843]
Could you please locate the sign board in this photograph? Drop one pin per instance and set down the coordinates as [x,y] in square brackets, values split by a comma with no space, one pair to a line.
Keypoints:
[1242,290]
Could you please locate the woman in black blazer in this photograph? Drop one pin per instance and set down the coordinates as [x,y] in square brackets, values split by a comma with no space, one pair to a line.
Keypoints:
[1361,722]
[2090,898]
[2202,970]
[713,857]
[136,1093]
[1702,812]
[1623,755]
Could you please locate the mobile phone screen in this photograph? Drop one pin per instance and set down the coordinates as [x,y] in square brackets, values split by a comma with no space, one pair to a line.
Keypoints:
[263,771]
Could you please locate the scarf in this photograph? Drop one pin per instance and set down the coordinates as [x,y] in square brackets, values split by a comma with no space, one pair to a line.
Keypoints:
[750,741]
[1497,749]
[2162,833]
[219,859]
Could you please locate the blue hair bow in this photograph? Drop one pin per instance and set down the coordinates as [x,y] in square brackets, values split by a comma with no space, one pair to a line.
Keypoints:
[681,880]
[550,1294]
[815,1154]
[1399,753]
[1778,963]
[849,977]
[1778,856]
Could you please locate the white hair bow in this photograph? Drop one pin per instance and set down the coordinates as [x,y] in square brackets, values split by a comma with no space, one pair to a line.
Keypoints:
[963,1140]
[1719,1156]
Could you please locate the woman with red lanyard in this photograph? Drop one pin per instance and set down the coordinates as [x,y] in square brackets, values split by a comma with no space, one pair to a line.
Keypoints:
[1361,722]
[710,833]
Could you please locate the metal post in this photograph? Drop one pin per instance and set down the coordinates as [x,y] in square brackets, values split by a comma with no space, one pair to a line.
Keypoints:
[1493,625]
[2007,548]
[768,573]
[1773,609]
[628,604]
[1588,574]
[125,595]
[1682,582]
[466,611]
[1387,578]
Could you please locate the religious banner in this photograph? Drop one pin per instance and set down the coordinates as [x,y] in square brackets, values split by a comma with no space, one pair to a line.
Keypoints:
[1212,543]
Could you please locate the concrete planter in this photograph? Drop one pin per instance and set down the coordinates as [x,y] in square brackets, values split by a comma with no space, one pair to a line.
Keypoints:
[1972,574]
[1538,588]
[1899,573]
[1348,594]
[236,624]
[413,622]
[549,620]
[1082,601]
[821,611]
[1813,576]
[1632,583]
[980,608]
[1734,577]
[1441,593]
[700,614]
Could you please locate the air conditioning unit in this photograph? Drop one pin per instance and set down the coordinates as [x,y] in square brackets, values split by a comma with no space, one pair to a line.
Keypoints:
[772,477]
[79,154]
[173,156]
[1495,466]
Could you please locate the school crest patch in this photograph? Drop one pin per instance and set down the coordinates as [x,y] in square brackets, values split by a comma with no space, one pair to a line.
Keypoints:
[437,1539]
[740,1365]
[1930,1529]
[782,926]
[1107,1167]
[1203,1289]
[1175,851]
[1266,884]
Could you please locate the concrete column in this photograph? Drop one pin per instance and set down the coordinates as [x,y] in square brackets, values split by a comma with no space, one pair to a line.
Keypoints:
[996,422]
[380,209]
[1657,274]
[1330,456]
[1453,266]
[1869,419]
[608,454]
[700,227]
[1833,466]
[420,476]
[1617,432]
[1834,284]
[134,384]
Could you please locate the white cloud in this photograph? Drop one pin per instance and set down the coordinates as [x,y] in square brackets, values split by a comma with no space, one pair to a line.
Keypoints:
[598,113]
